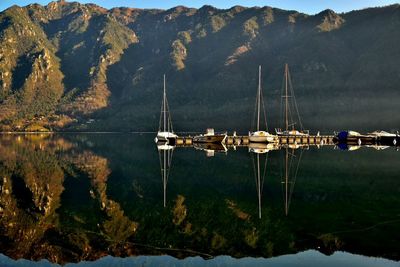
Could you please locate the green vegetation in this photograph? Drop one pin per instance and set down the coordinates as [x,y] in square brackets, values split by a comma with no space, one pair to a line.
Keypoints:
[178,54]
[185,37]
[81,62]
[250,27]
[217,23]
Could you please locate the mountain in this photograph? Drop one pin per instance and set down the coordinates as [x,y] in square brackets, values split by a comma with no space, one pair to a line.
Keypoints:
[71,66]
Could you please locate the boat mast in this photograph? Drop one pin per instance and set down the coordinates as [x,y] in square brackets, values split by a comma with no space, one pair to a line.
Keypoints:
[286,150]
[286,98]
[165,108]
[259,98]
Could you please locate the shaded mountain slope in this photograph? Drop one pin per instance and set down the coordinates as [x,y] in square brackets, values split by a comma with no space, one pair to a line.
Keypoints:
[82,67]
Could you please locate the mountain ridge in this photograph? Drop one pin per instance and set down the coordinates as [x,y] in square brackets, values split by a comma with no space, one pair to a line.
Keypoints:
[106,66]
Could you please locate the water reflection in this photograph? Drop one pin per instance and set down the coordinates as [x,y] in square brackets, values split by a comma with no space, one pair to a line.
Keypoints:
[291,166]
[165,154]
[68,198]
[260,173]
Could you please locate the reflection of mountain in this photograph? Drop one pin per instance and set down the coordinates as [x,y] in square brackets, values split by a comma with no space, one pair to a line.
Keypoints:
[32,182]
[117,227]
[33,174]
[79,197]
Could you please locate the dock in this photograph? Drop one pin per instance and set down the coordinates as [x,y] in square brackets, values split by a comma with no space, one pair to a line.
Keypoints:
[243,140]
[318,140]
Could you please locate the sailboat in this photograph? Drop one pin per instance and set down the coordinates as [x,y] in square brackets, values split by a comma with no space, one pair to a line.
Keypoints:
[289,110]
[210,137]
[260,136]
[165,132]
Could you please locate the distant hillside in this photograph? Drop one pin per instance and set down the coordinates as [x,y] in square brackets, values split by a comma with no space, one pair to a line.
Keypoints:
[69,66]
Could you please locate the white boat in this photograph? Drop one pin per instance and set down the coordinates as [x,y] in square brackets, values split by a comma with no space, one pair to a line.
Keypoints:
[289,110]
[260,136]
[354,133]
[165,137]
[382,133]
[165,132]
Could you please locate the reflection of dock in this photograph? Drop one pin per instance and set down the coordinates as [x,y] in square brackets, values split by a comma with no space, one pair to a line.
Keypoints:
[237,140]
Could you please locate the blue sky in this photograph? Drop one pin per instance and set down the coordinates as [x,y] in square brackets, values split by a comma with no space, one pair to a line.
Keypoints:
[306,6]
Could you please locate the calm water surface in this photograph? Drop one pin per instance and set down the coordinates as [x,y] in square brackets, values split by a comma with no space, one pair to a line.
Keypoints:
[86,197]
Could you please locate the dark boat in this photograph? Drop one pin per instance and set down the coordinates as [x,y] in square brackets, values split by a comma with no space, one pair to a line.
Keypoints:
[354,138]
[386,139]
[210,137]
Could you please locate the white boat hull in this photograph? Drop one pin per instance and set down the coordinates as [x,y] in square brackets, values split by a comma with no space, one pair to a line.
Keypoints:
[262,137]
[165,137]
[292,133]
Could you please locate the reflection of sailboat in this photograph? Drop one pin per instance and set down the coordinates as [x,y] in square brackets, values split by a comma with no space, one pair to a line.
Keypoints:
[259,174]
[165,154]
[261,148]
[290,110]
[291,168]
[385,139]
[378,147]
[348,147]
[165,132]
[261,136]
[211,148]
[259,177]
[291,161]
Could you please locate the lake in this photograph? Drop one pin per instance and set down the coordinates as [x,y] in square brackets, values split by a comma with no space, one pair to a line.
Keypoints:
[104,200]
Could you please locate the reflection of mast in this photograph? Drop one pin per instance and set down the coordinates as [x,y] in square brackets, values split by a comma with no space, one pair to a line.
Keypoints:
[290,175]
[258,185]
[286,180]
[165,153]
[259,177]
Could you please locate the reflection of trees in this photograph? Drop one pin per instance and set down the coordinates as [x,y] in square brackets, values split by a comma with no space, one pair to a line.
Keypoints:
[39,218]
[31,185]
[31,182]
[117,228]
